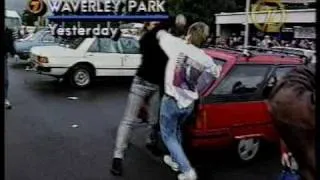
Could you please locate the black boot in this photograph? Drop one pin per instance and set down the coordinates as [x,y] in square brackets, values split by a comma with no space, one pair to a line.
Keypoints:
[116,168]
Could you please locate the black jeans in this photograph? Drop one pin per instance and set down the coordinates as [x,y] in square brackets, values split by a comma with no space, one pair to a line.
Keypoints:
[6,77]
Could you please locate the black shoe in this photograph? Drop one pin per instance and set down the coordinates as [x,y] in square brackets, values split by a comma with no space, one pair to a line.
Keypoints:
[116,169]
[9,107]
[154,149]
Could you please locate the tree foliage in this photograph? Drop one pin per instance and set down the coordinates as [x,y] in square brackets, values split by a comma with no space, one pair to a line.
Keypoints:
[203,10]
[28,18]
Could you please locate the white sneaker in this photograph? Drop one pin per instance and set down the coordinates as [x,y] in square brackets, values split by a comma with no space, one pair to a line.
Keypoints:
[168,160]
[7,104]
[190,175]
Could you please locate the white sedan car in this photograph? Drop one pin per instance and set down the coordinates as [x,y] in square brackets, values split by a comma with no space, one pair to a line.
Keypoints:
[80,60]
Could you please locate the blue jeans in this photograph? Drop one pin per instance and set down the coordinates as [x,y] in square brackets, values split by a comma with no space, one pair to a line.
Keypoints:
[172,119]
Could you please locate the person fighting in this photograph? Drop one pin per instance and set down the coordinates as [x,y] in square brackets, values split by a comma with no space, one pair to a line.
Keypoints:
[145,92]
[144,88]
[188,74]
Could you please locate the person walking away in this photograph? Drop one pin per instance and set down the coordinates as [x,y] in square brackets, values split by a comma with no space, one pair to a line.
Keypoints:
[292,107]
[189,72]
[9,49]
[145,87]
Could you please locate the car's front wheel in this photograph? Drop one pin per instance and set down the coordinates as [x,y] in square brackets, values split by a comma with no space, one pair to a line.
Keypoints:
[248,149]
[81,76]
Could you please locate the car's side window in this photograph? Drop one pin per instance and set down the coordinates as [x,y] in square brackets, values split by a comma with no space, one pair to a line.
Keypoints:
[108,45]
[243,79]
[94,46]
[48,38]
[282,71]
[129,46]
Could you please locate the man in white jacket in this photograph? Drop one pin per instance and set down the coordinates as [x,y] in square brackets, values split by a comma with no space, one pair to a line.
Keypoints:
[189,73]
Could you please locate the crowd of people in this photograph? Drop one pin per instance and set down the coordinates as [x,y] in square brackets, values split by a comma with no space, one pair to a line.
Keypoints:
[266,42]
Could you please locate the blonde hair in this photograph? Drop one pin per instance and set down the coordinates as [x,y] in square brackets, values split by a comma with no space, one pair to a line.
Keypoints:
[198,33]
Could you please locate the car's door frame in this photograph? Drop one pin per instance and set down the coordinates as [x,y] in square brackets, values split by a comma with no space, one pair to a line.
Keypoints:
[226,133]
[102,68]
[128,70]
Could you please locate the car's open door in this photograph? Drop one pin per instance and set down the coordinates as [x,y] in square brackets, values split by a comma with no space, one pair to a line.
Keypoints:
[236,106]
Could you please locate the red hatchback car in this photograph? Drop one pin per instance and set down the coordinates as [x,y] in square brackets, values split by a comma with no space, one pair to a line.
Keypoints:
[234,113]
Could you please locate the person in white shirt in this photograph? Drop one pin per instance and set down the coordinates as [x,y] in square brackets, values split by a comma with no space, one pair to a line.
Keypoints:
[189,73]
[266,42]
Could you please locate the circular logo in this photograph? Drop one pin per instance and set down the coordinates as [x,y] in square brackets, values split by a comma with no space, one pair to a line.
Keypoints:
[268,15]
[36,6]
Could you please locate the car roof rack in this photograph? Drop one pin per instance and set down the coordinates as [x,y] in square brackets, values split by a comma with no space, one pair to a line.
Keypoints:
[227,49]
[254,51]
[261,49]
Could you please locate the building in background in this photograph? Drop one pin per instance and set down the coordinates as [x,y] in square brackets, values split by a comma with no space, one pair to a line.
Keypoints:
[299,21]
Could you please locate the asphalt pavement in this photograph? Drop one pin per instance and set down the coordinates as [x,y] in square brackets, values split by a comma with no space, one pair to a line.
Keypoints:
[51,137]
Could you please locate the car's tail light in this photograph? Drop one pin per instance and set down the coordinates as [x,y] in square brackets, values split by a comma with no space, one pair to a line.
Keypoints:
[42,59]
[201,122]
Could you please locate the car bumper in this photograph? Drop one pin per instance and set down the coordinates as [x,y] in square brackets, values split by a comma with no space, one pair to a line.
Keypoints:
[23,55]
[48,70]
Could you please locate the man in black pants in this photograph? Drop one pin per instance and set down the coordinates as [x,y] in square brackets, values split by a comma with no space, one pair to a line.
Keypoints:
[146,86]
[9,49]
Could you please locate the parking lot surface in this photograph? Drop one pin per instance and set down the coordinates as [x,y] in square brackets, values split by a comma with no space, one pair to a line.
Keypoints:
[50,136]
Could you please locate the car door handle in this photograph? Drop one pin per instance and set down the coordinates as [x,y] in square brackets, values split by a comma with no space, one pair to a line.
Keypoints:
[125,58]
[89,54]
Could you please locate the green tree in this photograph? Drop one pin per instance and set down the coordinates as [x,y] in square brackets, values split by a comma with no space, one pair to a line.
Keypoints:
[28,18]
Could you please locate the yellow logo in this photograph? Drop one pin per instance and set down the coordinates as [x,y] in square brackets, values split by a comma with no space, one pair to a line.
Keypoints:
[36,6]
[268,15]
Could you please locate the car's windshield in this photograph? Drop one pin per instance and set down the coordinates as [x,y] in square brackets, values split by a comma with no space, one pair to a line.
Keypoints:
[72,43]
[12,23]
[37,35]
[28,37]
